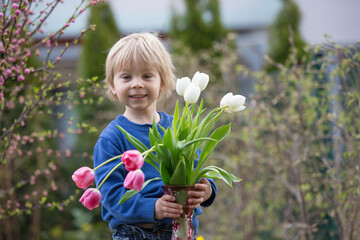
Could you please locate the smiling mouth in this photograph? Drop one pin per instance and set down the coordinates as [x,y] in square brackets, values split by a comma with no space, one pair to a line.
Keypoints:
[138,96]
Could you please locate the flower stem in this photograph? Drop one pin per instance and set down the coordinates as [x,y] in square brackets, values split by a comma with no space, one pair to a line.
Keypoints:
[107,176]
[215,118]
[147,152]
[107,161]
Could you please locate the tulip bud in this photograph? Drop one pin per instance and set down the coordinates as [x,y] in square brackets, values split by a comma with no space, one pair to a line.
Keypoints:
[91,198]
[225,101]
[192,93]
[83,177]
[236,103]
[201,80]
[134,180]
[181,85]
[132,160]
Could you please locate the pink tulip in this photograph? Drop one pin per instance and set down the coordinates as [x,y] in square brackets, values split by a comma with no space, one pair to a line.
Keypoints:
[83,177]
[132,160]
[91,198]
[134,180]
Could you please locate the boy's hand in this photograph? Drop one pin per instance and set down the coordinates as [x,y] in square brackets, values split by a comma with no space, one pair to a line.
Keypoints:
[167,207]
[201,194]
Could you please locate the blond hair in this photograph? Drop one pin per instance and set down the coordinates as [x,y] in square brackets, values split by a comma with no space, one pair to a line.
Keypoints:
[143,50]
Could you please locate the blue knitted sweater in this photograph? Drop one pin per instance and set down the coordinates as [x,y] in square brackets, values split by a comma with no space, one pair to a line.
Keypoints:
[140,208]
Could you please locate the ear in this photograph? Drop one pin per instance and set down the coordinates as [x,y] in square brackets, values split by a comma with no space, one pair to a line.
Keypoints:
[112,89]
[162,88]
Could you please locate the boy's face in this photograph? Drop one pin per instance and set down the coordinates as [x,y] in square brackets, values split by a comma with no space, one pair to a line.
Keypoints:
[137,89]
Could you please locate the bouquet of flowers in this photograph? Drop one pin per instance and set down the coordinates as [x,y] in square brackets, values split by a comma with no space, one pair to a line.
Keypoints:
[178,149]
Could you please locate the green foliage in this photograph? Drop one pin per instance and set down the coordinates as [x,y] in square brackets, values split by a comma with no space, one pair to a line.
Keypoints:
[96,44]
[296,149]
[39,126]
[284,33]
[177,150]
[200,26]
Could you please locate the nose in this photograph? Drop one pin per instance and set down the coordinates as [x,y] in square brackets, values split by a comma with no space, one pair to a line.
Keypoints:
[137,83]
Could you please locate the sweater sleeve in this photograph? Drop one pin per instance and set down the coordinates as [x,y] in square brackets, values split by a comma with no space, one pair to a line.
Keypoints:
[135,210]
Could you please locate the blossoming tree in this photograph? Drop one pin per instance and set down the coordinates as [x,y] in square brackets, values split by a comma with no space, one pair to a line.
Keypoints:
[30,95]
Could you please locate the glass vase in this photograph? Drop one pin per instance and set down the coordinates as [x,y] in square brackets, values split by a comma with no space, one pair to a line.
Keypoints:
[182,228]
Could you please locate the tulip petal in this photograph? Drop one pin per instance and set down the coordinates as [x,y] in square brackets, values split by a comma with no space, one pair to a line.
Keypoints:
[201,80]
[134,180]
[192,94]
[129,180]
[236,101]
[225,100]
[83,177]
[132,160]
[181,85]
[239,109]
[91,198]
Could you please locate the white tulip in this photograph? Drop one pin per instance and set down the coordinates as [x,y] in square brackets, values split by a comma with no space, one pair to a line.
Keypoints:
[234,103]
[181,85]
[201,80]
[225,101]
[192,93]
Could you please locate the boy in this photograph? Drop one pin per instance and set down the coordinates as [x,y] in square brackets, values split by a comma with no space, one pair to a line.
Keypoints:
[138,71]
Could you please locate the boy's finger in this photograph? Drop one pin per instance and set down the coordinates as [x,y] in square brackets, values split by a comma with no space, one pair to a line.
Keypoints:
[169,198]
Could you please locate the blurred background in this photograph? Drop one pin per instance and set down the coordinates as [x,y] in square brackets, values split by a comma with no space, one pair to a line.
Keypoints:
[296,146]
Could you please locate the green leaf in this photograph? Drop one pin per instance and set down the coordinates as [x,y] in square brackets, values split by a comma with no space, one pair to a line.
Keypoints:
[219,134]
[164,157]
[130,193]
[179,176]
[165,173]
[170,144]
[218,173]
[176,117]
[195,141]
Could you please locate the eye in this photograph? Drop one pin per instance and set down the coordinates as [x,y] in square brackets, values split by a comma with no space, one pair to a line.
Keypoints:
[147,76]
[125,77]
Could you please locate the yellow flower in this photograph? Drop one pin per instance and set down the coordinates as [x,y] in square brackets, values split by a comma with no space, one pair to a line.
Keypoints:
[200,237]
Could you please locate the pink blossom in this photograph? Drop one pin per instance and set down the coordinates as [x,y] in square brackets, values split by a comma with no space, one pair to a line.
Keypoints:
[20,78]
[91,198]
[134,180]
[83,177]
[67,24]
[1,15]
[15,6]
[132,160]
[27,71]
